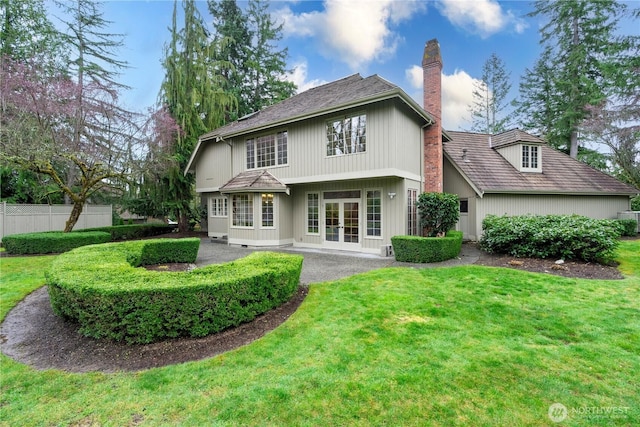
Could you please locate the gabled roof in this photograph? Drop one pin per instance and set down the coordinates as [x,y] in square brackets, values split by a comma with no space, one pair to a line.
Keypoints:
[514,136]
[254,181]
[350,92]
[488,172]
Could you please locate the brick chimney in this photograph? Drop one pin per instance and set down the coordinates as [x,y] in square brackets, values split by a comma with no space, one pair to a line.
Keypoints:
[432,70]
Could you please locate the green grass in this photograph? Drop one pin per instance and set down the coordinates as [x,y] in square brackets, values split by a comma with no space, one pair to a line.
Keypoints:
[452,346]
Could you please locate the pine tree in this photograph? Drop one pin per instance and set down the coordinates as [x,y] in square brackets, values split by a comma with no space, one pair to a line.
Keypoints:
[193,95]
[267,65]
[27,33]
[232,42]
[534,108]
[489,98]
[580,41]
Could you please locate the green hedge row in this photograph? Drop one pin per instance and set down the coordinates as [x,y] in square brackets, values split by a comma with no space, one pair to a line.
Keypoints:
[551,236]
[133,231]
[427,249]
[51,242]
[100,288]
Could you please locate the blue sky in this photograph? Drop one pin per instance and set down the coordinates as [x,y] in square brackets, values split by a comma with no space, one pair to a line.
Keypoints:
[331,39]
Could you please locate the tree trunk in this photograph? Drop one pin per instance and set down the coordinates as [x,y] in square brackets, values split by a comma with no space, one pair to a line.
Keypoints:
[73,218]
[573,149]
[183,222]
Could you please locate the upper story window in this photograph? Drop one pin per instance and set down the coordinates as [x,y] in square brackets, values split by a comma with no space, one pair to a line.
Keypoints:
[529,157]
[267,150]
[347,135]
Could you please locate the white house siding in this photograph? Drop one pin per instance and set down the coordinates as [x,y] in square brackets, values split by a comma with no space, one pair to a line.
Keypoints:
[453,183]
[513,154]
[393,211]
[217,227]
[211,172]
[279,235]
[598,207]
[393,142]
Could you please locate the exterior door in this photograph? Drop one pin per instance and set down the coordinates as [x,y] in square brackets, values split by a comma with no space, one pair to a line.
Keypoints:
[342,224]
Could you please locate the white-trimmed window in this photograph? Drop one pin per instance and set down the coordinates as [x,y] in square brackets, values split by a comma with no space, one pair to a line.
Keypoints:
[313,213]
[374,213]
[242,205]
[529,157]
[412,212]
[219,206]
[347,135]
[266,209]
[267,150]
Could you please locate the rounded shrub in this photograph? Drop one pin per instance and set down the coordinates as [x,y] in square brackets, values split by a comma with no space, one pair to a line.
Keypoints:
[551,236]
[101,288]
[427,249]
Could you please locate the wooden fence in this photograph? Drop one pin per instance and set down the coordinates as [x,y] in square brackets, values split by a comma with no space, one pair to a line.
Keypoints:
[15,219]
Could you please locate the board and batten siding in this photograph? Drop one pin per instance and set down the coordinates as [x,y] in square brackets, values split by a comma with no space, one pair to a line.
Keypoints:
[393,142]
[393,211]
[214,166]
[258,235]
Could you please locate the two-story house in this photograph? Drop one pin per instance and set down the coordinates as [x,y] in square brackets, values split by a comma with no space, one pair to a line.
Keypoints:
[341,166]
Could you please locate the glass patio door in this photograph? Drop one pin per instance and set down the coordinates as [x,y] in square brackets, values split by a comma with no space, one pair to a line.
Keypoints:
[342,224]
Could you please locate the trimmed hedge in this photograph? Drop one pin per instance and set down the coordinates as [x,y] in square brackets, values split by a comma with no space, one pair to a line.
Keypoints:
[51,242]
[100,288]
[132,231]
[427,249]
[551,236]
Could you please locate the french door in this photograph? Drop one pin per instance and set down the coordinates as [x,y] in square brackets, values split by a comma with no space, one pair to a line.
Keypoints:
[342,223]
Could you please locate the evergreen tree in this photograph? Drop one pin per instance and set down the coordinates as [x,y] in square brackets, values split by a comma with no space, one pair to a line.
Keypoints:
[266,67]
[534,107]
[489,98]
[232,42]
[580,43]
[27,33]
[193,95]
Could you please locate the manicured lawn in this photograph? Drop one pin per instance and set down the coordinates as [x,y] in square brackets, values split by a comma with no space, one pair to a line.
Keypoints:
[452,346]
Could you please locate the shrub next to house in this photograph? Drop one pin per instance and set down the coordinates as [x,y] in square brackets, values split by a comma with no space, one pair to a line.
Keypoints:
[51,242]
[551,236]
[101,288]
[427,249]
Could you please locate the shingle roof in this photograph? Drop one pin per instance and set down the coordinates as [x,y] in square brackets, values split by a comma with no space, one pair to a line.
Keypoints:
[342,93]
[253,181]
[489,172]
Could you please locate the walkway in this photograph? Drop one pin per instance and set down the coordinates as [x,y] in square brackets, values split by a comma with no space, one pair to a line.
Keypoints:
[325,265]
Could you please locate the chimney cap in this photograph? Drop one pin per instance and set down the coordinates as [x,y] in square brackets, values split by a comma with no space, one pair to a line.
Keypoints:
[432,53]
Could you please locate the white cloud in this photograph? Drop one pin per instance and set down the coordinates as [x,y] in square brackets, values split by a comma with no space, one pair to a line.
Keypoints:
[414,76]
[457,96]
[483,17]
[353,32]
[299,76]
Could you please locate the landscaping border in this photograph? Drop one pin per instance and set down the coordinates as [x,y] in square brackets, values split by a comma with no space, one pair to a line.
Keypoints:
[100,288]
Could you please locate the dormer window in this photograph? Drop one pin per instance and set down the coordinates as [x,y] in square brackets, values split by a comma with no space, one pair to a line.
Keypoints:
[530,157]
